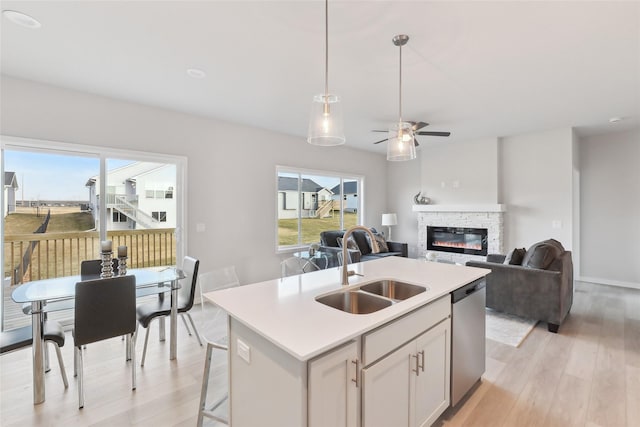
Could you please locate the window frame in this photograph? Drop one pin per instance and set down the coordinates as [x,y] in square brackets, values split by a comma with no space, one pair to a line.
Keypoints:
[301,172]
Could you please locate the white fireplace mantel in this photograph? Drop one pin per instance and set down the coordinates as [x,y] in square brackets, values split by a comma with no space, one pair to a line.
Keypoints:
[459,208]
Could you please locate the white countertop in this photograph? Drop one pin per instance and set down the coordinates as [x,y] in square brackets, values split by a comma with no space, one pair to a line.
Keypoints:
[285,312]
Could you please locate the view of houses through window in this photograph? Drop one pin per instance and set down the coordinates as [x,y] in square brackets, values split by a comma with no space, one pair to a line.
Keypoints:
[55,214]
[311,202]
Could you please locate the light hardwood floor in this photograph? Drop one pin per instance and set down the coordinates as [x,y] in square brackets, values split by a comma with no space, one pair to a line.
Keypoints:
[586,375]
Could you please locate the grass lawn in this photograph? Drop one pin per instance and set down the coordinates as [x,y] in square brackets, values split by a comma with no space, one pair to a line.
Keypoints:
[21,223]
[311,228]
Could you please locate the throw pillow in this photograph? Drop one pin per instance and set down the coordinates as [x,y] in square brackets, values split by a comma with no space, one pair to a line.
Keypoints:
[351,243]
[515,257]
[380,240]
[540,255]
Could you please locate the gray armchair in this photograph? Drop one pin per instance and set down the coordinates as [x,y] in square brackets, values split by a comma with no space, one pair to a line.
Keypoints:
[540,288]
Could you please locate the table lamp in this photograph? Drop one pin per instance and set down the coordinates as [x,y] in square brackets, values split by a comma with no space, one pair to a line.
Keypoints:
[389,219]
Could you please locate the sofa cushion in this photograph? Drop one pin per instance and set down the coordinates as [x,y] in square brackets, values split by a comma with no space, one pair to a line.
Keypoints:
[361,240]
[541,255]
[515,257]
[329,238]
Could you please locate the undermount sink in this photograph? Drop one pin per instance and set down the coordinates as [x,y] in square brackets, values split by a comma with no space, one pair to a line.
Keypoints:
[354,302]
[392,289]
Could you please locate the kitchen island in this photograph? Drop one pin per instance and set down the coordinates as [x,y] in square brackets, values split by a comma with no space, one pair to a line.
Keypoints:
[296,362]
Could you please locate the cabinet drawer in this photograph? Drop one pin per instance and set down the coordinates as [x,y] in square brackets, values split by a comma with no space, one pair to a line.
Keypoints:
[387,338]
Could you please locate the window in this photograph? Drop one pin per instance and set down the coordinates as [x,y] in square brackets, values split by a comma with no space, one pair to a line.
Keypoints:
[119,217]
[159,216]
[309,202]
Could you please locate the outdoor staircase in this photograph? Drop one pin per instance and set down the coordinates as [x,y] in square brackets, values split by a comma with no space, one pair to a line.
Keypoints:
[131,211]
[324,208]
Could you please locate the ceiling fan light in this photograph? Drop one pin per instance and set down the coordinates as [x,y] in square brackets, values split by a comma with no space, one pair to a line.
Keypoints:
[401,146]
[326,127]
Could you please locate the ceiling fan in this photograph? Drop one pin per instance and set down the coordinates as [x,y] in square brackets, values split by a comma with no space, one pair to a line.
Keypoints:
[416,126]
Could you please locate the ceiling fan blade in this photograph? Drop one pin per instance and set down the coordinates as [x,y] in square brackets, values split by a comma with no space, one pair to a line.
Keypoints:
[382,140]
[415,141]
[433,133]
[419,125]
[380,130]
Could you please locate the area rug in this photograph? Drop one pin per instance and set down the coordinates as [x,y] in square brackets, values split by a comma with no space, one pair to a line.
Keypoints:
[507,328]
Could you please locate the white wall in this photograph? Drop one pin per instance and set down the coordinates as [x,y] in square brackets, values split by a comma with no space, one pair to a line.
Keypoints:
[460,173]
[536,185]
[610,208]
[231,182]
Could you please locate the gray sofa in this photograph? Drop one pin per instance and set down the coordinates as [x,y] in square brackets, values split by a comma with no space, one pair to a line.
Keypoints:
[329,243]
[536,283]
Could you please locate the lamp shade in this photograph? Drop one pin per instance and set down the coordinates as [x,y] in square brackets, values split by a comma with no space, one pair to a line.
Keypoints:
[389,219]
[401,145]
[325,123]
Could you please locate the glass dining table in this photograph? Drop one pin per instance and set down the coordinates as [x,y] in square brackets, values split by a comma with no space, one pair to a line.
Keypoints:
[41,292]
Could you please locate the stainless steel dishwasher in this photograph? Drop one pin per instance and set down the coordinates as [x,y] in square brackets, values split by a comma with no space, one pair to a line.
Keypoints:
[467,338]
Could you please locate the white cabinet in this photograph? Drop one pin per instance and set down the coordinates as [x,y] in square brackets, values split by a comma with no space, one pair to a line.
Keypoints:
[432,383]
[410,385]
[333,388]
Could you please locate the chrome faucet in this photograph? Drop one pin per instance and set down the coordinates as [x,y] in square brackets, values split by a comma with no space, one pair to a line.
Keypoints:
[345,251]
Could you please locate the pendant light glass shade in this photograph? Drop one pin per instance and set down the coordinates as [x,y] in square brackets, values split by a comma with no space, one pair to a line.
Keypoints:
[325,123]
[401,145]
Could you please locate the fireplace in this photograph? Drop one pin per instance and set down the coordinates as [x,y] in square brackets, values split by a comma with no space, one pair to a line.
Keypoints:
[470,241]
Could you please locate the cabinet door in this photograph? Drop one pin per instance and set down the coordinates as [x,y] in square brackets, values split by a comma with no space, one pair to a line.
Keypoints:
[333,392]
[386,391]
[432,383]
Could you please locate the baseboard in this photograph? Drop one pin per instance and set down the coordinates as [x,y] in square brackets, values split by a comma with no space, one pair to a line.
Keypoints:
[609,282]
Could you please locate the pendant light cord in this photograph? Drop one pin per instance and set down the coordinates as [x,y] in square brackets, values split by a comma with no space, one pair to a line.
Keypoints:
[326,48]
[400,88]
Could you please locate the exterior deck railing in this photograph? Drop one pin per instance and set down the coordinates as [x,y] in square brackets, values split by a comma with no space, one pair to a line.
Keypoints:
[60,254]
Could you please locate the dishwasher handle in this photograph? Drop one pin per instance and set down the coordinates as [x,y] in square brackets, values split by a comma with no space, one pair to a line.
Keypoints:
[468,289]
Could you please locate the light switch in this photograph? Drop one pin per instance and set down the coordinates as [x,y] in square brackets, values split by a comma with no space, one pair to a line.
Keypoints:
[244,351]
[200,227]
[556,223]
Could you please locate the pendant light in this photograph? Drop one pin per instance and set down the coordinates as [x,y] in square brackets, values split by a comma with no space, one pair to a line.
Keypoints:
[325,124]
[401,145]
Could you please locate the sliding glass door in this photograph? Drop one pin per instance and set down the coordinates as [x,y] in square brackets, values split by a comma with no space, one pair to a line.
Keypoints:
[60,201]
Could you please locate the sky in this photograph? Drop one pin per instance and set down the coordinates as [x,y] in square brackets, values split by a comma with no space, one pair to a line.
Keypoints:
[43,176]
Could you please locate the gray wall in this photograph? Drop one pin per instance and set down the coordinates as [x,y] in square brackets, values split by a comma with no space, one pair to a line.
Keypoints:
[402,185]
[610,208]
[230,172]
[537,187]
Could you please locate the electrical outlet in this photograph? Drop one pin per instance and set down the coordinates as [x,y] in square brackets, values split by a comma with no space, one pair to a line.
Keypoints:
[244,351]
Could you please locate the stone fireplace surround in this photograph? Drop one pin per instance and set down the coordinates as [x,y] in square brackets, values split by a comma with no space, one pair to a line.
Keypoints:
[490,217]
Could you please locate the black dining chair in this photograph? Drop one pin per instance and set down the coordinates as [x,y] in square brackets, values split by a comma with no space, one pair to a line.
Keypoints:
[147,312]
[16,339]
[105,308]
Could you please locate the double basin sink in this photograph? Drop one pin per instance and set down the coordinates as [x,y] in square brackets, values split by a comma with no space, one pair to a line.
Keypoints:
[371,297]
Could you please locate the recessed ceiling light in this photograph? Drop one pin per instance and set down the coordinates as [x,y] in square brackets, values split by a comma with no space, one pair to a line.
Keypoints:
[21,19]
[196,73]
[615,119]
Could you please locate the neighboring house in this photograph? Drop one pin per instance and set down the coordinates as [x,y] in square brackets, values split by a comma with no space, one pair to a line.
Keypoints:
[140,195]
[10,189]
[350,195]
[314,197]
